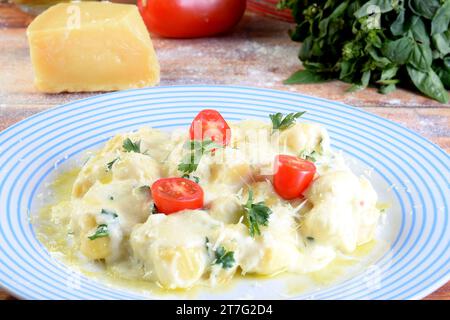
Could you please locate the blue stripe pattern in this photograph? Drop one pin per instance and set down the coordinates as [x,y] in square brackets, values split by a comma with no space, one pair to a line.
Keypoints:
[416,169]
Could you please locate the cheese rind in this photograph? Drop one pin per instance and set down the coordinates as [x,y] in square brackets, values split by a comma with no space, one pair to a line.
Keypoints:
[91,46]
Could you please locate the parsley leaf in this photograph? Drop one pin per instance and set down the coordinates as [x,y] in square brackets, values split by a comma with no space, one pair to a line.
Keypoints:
[197,149]
[144,188]
[130,146]
[111,163]
[110,213]
[309,156]
[281,123]
[193,178]
[101,232]
[154,209]
[224,257]
[207,243]
[256,214]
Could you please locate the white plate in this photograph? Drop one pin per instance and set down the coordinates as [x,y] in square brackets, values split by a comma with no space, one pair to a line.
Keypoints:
[406,169]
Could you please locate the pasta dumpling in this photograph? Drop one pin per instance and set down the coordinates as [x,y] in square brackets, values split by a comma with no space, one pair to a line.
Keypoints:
[173,249]
[344,210]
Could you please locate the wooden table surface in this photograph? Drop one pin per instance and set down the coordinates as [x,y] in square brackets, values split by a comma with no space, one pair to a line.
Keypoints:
[257,53]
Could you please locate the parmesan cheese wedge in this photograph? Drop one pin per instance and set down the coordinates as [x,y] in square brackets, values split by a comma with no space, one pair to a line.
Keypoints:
[91,46]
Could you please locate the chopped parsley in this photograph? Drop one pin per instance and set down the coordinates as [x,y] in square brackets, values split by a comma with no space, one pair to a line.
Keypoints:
[207,243]
[310,238]
[193,178]
[109,213]
[224,257]
[101,232]
[130,146]
[309,156]
[144,188]
[111,163]
[281,123]
[256,214]
[197,149]
[154,209]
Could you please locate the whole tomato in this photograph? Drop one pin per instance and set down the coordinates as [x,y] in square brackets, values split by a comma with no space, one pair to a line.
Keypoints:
[190,18]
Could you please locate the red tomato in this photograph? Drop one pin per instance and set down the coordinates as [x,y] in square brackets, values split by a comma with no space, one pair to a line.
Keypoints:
[175,194]
[292,176]
[209,124]
[190,18]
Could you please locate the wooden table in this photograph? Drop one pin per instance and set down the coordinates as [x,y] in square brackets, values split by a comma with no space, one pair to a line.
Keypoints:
[258,53]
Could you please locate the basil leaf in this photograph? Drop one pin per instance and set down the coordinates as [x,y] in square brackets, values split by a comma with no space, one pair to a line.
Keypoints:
[399,27]
[424,8]
[398,51]
[387,89]
[442,69]
[372,7]
[323,25]
[442,43]
[306,49]
[428,83]
[381,62]
[305,76]
[421,57]
[364,82]
[441,20]
[419,31]
[389,73]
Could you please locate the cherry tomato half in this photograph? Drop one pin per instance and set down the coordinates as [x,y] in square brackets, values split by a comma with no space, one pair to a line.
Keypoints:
[190,18]
[209,124]
[171,195]
[292,176]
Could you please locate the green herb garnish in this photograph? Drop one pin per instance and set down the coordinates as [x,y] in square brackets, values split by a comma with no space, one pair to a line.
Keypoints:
[190,177]
[101,232]
[309,156]
[130,146]
[224,257]
[144,188]
[196,150]
[256,214]
[111,163]
[109,213]
[280,122]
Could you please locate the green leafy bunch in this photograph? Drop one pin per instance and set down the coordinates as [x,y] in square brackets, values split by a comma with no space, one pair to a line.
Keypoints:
[384,43]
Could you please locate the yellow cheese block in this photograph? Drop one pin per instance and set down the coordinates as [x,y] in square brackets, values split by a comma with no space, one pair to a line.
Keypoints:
[91,46]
